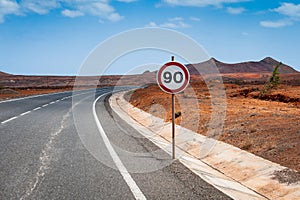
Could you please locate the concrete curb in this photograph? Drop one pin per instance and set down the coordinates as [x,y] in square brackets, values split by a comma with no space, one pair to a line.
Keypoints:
[237,173]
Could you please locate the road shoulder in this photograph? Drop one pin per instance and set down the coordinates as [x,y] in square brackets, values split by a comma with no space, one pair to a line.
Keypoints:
[237,173]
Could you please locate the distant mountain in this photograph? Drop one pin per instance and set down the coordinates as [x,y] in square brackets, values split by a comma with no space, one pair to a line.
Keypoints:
[4,74]
[266,65]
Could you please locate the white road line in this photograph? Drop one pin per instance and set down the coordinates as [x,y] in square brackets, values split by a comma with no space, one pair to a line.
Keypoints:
[9,120]
[37,108]
[40,95]
[126,176]
[25,113]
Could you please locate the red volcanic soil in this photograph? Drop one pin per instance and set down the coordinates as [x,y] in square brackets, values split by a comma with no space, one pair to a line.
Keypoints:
[269,128]
[15,93]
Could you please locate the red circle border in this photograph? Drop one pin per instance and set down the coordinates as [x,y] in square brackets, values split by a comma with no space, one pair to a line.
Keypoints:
[186,78]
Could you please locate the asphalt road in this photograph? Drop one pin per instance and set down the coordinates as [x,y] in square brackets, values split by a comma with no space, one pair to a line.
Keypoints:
[52,148]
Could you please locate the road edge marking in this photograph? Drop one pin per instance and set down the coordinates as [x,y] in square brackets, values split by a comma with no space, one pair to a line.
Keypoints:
[122,169]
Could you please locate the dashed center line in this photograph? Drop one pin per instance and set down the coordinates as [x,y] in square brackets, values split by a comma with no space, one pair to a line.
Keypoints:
[9,120]
[37,108]
[25,113]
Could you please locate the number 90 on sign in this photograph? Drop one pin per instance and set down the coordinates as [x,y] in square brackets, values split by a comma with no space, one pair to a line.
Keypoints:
[173,77]
[177,77]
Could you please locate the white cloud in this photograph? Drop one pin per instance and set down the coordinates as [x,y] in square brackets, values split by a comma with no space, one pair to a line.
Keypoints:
[8,7]
[114,17]
[68,8]
[276,24]
[200,3]
[180,24]
[196,19]
[72,13]
[96,9]
[235,11]
[41,7]
[173,23]
[100,9]
[169,25]
[127,1]
[289,9]
[176,19]
[152,24]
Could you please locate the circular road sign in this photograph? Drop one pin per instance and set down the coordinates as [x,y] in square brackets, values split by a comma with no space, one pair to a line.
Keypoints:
[173,77]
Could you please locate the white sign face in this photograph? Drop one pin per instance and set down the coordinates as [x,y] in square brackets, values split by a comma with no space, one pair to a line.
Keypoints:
[173,77]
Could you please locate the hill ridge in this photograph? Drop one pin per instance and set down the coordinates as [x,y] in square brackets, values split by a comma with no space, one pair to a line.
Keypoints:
[4,74]
[265,65]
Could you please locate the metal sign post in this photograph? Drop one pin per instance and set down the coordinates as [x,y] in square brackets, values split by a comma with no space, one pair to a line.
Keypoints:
[173,121]
[172,78]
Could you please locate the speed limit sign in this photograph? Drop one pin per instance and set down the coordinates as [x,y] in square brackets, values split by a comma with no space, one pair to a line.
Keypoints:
[173,77]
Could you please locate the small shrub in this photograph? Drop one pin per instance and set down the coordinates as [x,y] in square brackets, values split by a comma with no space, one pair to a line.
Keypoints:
[246,143]
[177,114]
[246,146]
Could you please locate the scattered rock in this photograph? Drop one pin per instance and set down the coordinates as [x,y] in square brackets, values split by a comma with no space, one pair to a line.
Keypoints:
[287,176]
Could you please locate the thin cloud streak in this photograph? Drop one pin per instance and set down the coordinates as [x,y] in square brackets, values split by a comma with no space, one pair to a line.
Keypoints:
[235,11]
[68,8]
[173,23]
[203,3]
[291,14]
[276,24]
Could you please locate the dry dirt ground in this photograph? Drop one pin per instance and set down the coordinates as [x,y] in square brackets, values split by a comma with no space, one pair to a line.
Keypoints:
[16,93]
[269,128]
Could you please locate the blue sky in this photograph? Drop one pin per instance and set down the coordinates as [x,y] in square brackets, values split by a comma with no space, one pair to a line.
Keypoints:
[55,36]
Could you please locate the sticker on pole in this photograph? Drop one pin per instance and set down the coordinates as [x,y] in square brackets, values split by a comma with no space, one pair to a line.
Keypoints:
[173,77]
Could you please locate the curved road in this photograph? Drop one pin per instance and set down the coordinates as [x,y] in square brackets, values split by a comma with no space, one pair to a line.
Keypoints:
[43,157]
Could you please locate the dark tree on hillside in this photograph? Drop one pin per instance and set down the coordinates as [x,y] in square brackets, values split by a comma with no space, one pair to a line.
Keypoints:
[272,83]
[275,78]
